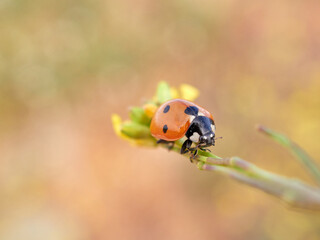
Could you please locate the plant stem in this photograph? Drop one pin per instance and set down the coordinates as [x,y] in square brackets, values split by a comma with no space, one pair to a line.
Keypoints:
[292,191]
[297,151]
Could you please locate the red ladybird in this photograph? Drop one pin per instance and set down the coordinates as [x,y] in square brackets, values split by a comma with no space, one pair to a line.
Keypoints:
[177,118]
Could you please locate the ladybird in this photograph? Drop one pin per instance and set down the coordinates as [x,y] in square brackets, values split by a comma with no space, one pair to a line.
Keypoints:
[177,118]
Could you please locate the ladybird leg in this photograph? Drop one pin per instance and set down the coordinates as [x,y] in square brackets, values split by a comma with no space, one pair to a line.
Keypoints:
[161,141]
[168,143]
[186,146]
[194,148]
[193,155]
[205,149]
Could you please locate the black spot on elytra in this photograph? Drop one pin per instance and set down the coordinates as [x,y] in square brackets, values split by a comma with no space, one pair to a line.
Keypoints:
[165,128]
[192,110]
[166,109]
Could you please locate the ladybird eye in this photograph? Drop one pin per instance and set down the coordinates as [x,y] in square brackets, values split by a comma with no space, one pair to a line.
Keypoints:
[165,128]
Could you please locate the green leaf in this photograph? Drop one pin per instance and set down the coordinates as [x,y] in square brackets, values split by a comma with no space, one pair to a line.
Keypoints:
[163,92]
[135,130]
[138,115]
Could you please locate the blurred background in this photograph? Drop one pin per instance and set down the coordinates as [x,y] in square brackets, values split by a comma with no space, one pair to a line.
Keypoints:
[66,66]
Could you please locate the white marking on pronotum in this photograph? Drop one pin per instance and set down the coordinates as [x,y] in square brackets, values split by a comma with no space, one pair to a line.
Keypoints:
[213,127]
[192,118]
[195,137]
[200,114]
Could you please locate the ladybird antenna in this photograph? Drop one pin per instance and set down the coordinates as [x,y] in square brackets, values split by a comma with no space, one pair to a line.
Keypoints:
[218,138]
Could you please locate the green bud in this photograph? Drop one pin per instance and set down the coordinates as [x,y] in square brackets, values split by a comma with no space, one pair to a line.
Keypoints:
[138,115]
[135,130]
[163,92]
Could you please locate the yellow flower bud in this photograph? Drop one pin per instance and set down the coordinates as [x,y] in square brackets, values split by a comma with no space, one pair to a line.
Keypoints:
[188,92]
[117,126]
[174,92]
[150,109]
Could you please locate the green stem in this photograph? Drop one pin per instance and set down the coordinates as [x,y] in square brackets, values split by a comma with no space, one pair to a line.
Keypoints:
[297,151]
[292,191]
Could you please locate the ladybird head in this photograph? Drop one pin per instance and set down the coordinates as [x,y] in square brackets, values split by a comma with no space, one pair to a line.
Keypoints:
[202,131]
[207,139]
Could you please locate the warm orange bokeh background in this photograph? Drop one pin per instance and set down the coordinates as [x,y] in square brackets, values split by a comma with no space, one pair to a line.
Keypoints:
[65,66]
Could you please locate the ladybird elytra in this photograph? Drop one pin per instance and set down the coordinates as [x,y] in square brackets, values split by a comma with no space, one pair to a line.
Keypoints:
[177,118]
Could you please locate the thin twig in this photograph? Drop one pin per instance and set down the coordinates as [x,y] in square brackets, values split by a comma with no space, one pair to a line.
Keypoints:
[292,191]
[296,150]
